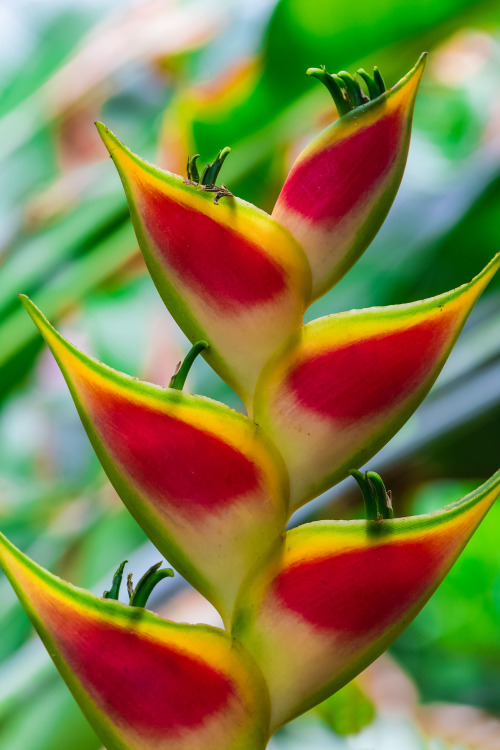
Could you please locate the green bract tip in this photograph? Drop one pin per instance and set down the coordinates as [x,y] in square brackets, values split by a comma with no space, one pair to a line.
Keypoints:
[192,169]
[208,179]
[383,498]
[346,90]
[114,591]
[178,379]
[335,87]
[139,597]
[368,494]
[378,503]
[212,169]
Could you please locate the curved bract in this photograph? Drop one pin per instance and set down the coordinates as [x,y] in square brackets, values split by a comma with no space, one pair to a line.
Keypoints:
[203,481]
[224,271]
[342,185]
[345,384]
[340,592]
[143,683]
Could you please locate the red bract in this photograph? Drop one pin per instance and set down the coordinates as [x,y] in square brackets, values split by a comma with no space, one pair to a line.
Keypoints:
[304,610]
[343,385]
[342,185]
[207,485]
[227,272]
[141,681]
[344,590]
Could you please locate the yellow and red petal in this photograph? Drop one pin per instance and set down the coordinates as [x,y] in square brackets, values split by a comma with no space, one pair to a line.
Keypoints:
[342,185]
[141,681]
[203,481]
[341,591]
[346,383]
[228,273]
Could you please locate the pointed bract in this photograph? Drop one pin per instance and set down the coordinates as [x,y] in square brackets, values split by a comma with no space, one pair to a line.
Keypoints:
[342,185]
[228,273]
[340,592]
[142,682]
[343,386]
[203,481]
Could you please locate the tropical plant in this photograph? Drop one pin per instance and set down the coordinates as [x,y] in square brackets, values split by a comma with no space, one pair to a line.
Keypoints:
[304,610]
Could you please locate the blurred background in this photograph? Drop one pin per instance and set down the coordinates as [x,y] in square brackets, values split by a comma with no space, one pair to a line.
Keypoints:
[173,78]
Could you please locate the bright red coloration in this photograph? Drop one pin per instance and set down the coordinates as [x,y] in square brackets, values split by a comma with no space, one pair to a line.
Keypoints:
[329,185]
[140,683]
[174,462]
[222,266]
[361,591]
[369,376]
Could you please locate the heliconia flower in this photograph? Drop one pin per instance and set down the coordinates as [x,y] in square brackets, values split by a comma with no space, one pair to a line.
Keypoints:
[228,273]
[345,384]
[342,185]
[340,592]
[203,481]
[143,683]
[304,611]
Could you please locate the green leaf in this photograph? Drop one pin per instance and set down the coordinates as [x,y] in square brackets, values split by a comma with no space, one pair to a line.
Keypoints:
[348,711]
